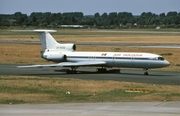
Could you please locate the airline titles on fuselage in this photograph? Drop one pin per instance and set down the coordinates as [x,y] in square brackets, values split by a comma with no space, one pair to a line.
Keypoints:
[128,55]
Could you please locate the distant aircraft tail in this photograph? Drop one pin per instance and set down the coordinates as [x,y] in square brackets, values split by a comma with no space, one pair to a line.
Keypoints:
[48,42]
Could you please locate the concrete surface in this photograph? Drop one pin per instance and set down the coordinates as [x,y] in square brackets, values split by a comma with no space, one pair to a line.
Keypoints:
[119,108]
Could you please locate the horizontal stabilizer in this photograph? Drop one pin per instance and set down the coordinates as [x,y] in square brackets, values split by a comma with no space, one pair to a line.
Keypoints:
[37,31]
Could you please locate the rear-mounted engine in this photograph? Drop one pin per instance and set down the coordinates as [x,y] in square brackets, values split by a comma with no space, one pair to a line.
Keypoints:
[66,47]
[58,57]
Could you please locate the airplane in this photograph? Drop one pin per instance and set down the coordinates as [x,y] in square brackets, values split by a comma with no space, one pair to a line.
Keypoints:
[64,55]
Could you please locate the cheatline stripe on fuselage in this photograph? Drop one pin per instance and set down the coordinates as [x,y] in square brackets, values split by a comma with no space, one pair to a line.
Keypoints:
[122,58]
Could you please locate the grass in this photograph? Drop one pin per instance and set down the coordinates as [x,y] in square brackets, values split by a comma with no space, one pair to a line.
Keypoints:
[166,54]
[93,36]
[27,89]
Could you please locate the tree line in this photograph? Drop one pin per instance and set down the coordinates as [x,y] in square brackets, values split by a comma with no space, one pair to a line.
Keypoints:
[105,20]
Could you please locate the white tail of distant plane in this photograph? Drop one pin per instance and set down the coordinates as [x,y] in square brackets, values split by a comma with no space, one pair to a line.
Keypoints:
[48,42]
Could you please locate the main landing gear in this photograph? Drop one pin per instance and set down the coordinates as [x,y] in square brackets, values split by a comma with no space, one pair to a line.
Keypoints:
[146,71]
[72,71]
[101,70]
[104,70]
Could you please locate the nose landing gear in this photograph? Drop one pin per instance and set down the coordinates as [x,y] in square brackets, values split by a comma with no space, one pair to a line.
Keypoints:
[146,71]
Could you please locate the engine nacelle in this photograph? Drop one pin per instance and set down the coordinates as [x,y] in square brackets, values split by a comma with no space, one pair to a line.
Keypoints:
[57,57]
[66,47]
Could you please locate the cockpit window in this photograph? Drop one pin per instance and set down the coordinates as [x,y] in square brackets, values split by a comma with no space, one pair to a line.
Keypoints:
[160,58]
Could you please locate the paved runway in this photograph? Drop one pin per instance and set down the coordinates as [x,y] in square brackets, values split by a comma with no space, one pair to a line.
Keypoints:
[127,75]
[88,109]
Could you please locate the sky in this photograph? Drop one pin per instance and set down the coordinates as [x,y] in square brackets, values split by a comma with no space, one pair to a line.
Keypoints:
[89,7]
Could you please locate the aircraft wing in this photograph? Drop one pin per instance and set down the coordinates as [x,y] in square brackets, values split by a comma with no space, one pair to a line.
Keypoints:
[66,64]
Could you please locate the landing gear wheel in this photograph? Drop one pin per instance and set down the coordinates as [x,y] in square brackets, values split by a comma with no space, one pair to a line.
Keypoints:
[120,71]
[115,71]
[68,72]
[146,73]
[101,70]
[72,71]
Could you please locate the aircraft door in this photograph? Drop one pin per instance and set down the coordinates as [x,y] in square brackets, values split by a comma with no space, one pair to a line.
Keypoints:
[113,61]
[132,62]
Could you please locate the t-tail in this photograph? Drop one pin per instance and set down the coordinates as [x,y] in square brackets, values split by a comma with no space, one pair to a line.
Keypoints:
[49,43]
[51,48]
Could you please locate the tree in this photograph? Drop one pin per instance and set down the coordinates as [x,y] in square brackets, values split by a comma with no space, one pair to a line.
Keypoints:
[96,15]
[20,18]
[171,14]
[112,15]
[104,15]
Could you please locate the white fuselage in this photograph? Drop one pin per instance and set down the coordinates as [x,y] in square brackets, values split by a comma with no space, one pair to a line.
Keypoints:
[115,59]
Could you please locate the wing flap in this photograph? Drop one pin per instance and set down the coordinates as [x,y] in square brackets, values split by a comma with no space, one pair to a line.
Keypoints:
[66,64]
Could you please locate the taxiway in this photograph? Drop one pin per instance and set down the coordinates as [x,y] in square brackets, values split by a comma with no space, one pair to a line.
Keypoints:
[89,73]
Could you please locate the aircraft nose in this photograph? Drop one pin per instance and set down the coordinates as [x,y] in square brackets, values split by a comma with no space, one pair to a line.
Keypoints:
[166,63]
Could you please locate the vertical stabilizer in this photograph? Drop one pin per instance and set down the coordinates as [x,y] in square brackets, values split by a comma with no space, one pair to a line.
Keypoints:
[47,41]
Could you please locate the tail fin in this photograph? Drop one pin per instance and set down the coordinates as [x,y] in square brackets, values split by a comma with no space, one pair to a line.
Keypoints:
[48,42]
